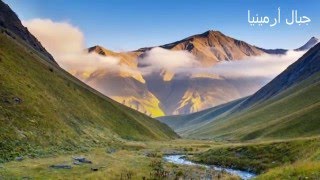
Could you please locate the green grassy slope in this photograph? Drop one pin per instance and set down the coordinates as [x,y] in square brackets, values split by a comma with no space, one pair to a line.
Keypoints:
[293,113]
[268,158]
[44,107]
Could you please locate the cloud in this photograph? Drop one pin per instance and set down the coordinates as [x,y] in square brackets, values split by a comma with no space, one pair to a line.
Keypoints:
[159,58]
[184,63]
[67,45]
[266,66]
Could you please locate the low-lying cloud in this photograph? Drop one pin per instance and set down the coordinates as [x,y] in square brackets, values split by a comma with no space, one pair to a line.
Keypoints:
[159,58]
[183,62]
[267,66]
[67,45]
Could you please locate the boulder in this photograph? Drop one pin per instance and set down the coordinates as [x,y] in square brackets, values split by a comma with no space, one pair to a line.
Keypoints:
[94,169]
[19,158]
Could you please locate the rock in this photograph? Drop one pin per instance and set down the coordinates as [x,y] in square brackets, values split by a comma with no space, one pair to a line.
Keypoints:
[82,160]
[78,158]
[61,166]
[77,163]
[20,158]
[94,169]
[17,100]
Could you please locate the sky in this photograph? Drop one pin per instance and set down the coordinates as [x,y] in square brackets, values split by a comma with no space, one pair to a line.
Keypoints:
[128,25]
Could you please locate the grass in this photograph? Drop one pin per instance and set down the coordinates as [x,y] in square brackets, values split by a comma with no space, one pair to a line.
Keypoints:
[261,157]
[119,164]
[298,170]
[293,113]
[129,159]
[43,109]
[290,159]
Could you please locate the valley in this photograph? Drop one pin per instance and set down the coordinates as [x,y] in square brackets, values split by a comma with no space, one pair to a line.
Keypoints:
[60,124]
[289,159]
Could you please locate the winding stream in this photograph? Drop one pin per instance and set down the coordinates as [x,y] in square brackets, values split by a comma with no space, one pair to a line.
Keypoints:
[180,159]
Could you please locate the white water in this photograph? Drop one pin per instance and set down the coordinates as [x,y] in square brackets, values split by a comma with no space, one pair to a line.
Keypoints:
[180,159]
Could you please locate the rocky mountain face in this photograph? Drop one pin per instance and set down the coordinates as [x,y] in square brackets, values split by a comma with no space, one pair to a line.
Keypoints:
[211,47]
[125,87]
[11,24]
[163,92]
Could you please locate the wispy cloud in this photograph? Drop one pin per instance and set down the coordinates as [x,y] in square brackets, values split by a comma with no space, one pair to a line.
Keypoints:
[267,66]
[67,44]
[183,62]
[159,58]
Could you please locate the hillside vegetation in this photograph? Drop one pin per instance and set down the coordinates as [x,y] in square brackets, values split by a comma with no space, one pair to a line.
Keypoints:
[290,159]
[293,113]
[43,108]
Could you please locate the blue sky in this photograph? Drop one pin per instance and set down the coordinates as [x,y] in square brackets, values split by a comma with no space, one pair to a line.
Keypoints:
[128,24]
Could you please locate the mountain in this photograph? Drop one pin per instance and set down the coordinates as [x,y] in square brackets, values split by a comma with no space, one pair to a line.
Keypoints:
[274,51]
[127,88]
[45,109]
[211,47]
[287,107]
[12,26]
[312,42]
[164,92]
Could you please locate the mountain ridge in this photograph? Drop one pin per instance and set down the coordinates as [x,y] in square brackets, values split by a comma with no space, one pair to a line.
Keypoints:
[13,26]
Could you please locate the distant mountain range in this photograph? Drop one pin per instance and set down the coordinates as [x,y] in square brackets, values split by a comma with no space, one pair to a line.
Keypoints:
[287,107]
[164,92]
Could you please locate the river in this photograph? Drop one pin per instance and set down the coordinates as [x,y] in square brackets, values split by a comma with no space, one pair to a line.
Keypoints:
[180,159]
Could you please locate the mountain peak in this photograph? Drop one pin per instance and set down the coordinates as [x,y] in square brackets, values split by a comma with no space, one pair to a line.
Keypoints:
[96,47]
[312,42]
[313,39]
[100,50]
[211,33]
